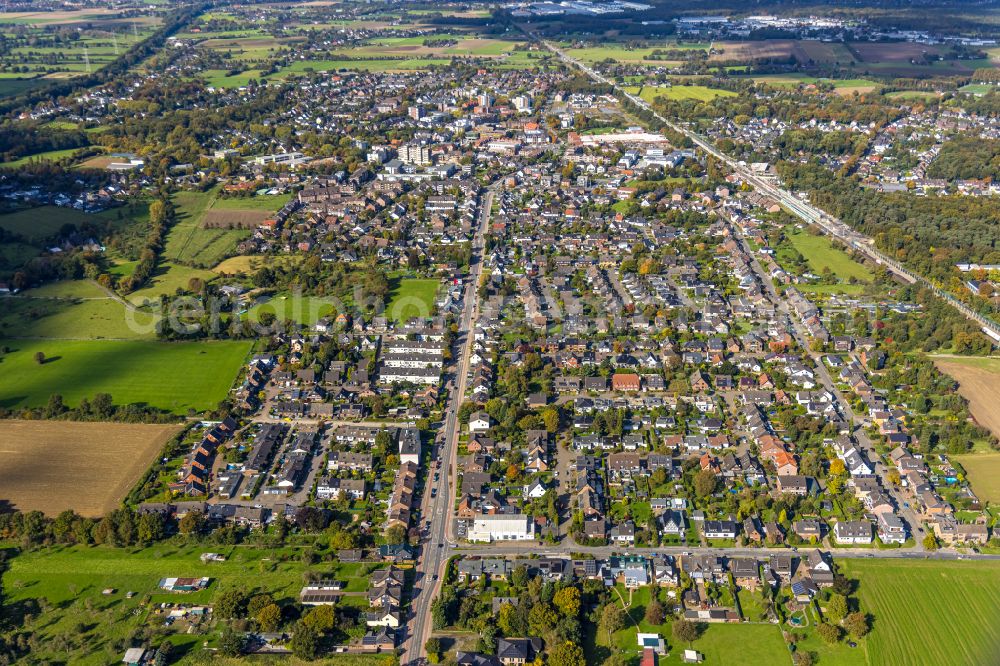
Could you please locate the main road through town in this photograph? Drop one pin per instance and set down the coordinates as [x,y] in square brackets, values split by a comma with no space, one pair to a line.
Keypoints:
[439,495]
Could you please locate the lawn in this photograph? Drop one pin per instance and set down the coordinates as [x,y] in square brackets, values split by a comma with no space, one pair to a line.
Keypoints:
[83,626]
[64,317]
[411,297]
[36,224]
[50,156]
[67,289]
[699,93]
[983,473]
[166,280]
[189,242]
[820,253]
[248,263]
[171,376]
[304,310]
[267,202]
[929,612]
[382,65]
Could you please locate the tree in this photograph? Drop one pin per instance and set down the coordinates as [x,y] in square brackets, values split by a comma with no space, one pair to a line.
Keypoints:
[395,535]
[232,642]
[231,603]
[802,658]
[836,608]
[39,357]
[258,602]
[506,618]
[828,632]
[655,612]
[930,542]
[519,577]
[541,618]
[842,585]
[612,618]
[567,600]
[567,654]
[321,618]
[151,528]
[191,523]
[856,624]
[269,617]
[685,631]
[704,483]
[550,417]
[305,642]
[433,648]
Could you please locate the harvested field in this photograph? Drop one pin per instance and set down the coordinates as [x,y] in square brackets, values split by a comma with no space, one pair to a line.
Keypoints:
[979,383]
[782,49]
[812,52]
[52,466]
[234,219]
[895,52]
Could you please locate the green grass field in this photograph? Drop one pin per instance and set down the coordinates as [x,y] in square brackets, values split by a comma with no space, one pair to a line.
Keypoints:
[927,612]
[36,224]
[50,156]
[389,65]
[190,243]
[304,310]
[267,202]
[64,317]
[411,297]
[729,644]
[169,376]
[699,93]
[83,626]
[821,254]
[167,279]
[983,471]
[794,80]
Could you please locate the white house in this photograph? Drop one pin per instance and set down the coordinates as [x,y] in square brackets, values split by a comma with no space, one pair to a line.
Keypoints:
[479,422]
[502,527]
[853,532]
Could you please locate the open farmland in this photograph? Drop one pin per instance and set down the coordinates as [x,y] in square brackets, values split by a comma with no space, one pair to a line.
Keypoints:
[979,383]
[89,467]
[809,52]
[929,612]
[781,49]
[174,377]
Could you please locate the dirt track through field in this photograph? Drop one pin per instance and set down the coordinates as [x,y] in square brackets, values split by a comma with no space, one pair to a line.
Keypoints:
[52,466]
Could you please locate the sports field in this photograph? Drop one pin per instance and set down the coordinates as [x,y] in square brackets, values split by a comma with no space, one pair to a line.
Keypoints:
[929,612]
[88,467]
[174,377]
